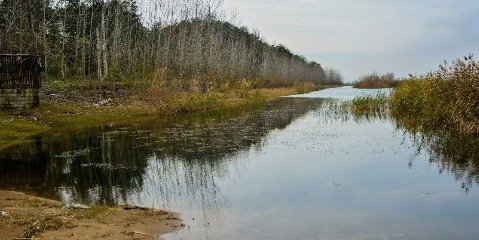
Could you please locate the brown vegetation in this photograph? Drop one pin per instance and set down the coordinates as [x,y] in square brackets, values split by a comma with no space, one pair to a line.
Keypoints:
[374,80]
[87,104]
[447,98]
[192,44]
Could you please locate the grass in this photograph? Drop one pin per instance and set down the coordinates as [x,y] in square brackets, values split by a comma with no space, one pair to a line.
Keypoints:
[364,108]
[369,104]
[45,224]
[19,127]
[15,129]
[441,111]
[369,107]
[93,212]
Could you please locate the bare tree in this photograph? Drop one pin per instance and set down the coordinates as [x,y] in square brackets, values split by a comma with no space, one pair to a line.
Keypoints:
[192,41]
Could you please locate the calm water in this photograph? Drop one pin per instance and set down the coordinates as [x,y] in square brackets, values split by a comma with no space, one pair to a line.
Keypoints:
[289,170]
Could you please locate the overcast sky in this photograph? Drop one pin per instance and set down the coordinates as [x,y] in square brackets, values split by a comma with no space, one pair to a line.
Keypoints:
[361,36]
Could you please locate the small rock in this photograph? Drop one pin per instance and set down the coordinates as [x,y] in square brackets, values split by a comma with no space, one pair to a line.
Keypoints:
[104,102]
[129,233]
[76,206]
[4,214]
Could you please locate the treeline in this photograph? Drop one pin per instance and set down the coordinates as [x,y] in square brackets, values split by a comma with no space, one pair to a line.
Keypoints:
[186,43]
[375,80]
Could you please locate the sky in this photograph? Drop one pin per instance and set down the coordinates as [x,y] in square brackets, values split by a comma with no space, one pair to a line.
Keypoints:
[358,37]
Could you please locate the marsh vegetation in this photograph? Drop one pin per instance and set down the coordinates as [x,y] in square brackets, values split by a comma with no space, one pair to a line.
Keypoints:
[447,98]
[375,80]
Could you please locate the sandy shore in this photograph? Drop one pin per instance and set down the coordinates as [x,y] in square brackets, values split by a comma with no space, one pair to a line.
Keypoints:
[27,217]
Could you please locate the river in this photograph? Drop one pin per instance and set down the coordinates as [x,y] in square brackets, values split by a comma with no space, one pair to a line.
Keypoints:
[289,170]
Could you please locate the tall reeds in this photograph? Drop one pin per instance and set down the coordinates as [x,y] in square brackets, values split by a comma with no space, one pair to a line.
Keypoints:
[447,98]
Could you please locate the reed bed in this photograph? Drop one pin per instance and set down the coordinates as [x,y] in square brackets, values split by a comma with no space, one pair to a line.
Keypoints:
[447,98]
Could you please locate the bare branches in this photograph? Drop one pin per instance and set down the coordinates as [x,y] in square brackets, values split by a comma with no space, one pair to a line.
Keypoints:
[191,40]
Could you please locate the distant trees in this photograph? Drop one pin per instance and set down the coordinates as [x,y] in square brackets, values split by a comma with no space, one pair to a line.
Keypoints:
[374,80]
[185,40]
[333,76]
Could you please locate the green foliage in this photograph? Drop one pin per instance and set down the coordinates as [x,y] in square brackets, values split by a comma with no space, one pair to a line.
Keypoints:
[370,103]
[14,130]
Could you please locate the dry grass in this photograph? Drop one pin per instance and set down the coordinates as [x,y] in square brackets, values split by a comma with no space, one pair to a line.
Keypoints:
[135,104]
[375,80]
[448,98]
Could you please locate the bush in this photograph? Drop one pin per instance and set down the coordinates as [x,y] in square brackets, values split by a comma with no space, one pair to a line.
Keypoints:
[375,80]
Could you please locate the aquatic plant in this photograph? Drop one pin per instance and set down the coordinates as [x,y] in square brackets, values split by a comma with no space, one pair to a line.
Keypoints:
[370,104]
[447,98]
[441,111]
[363,108]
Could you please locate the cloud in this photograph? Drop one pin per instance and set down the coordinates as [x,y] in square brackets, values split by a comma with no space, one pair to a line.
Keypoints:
[358,37]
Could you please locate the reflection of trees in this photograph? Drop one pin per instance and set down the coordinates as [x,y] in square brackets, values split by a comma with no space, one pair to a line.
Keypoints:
[163,161]
[108,166]
[190,156]
[19,167]
[451,150]
[213,141]
[81,161]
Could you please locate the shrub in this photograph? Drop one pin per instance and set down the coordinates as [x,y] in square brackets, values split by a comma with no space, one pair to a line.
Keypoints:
[374,80]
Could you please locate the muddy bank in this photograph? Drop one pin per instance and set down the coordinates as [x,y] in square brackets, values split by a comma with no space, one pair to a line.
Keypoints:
[26,217]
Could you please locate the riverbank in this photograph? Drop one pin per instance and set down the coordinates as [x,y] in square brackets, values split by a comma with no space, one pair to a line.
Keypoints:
[65,108]
[28,217]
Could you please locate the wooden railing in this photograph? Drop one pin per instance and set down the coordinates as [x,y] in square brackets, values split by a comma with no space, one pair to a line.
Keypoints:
[20,71]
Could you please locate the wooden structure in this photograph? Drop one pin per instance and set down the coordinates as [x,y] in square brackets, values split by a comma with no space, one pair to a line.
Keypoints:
[20,71]
[20,80]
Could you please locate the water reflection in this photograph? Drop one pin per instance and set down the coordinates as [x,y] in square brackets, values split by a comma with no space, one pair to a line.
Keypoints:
[111,165]
[294,169]
[114,165]
[332,110]
[451,150]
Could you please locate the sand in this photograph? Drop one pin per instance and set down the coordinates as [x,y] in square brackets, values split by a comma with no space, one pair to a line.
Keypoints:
[27,217]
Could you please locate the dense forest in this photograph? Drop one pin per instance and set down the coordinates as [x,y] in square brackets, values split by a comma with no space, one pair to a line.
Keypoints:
[182,42]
